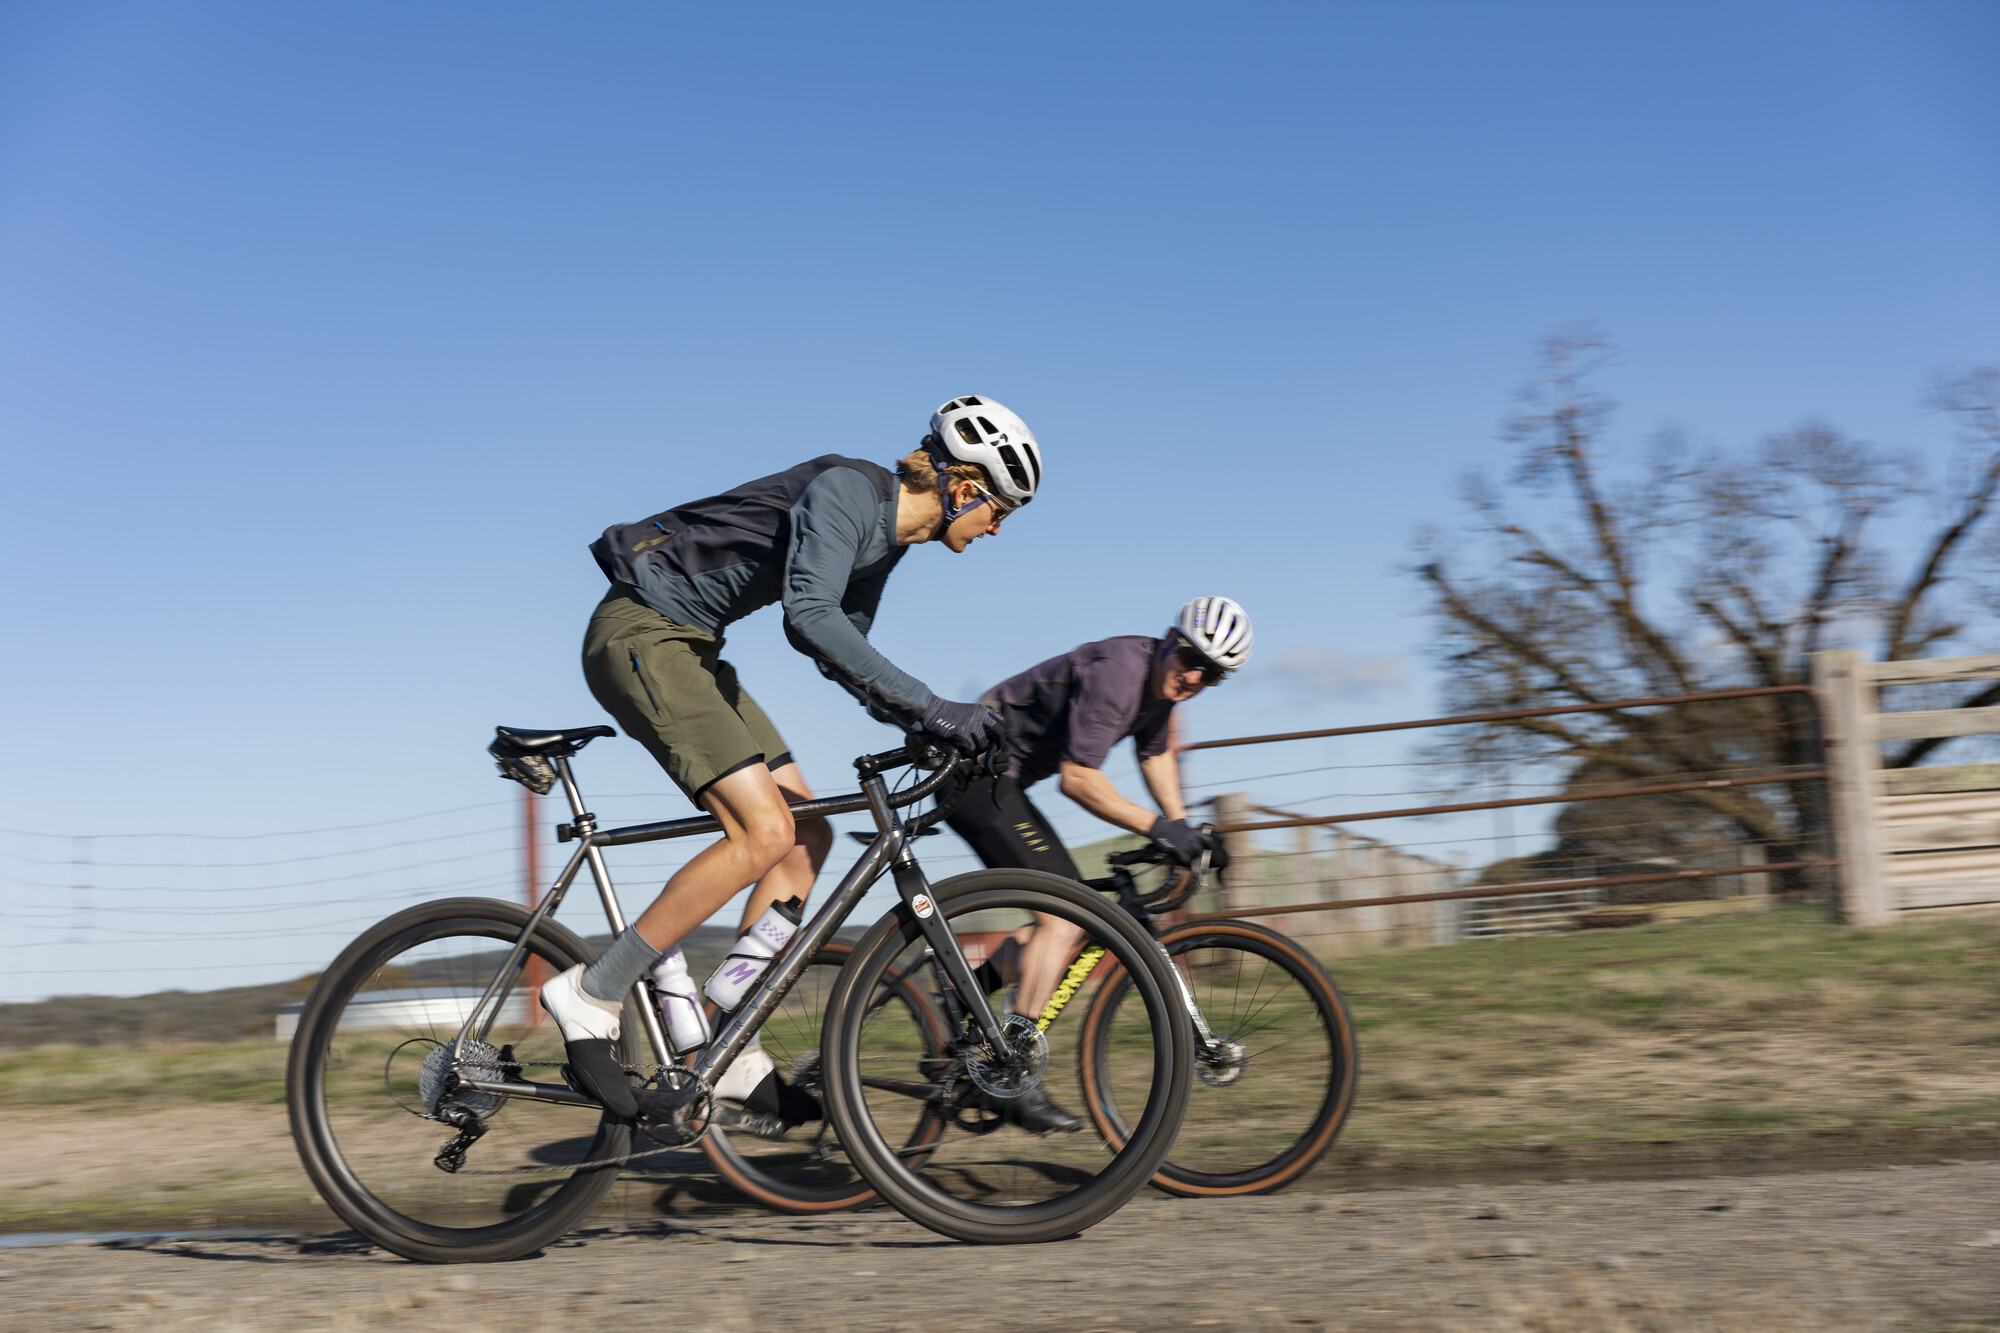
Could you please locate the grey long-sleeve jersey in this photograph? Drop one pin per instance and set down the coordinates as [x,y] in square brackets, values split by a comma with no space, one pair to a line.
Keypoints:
[819,537]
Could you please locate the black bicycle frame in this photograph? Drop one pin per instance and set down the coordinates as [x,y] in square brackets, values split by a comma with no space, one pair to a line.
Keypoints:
[888,851]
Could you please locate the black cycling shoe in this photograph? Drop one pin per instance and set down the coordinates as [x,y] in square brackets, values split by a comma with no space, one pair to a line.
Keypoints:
[594,1071]
[1034,1112]
[589,1028]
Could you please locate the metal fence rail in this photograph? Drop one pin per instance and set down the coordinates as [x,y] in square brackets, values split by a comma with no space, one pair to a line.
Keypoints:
[1397,879]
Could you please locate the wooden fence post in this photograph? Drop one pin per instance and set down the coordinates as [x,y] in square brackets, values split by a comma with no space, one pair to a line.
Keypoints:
[1244,882]
[1854,763]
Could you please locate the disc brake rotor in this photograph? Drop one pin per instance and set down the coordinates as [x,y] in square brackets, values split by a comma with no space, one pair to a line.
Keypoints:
[1224,1063]
[1011,1078]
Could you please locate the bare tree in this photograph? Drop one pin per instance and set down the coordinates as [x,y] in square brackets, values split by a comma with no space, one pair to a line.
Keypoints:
[1589,577]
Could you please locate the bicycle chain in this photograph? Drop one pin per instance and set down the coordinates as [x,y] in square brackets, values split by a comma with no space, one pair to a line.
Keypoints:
[603,1164]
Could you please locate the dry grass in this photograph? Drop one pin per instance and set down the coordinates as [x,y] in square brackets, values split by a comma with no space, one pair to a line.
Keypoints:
[175,1072]
[1777,1021]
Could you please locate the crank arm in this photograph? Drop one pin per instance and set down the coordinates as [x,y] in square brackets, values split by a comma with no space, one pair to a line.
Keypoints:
[923,1092]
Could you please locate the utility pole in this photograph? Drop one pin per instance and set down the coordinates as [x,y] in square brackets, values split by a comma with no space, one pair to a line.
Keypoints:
[538,971]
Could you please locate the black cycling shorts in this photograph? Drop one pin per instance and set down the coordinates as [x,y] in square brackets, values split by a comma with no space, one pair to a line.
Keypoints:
[1006,831]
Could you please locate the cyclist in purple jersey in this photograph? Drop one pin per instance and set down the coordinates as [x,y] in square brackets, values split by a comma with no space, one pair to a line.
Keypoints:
[1062,718]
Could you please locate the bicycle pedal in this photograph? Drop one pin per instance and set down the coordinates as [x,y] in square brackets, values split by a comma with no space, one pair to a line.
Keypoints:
[757,1123]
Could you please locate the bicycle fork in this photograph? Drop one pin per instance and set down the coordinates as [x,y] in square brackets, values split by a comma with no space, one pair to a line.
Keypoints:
[1086,963]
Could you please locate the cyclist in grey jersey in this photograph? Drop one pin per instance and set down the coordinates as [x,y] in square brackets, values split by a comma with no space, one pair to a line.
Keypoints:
[821,538]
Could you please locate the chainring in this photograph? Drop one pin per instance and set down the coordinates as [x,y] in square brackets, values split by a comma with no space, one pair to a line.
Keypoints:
[687,1124]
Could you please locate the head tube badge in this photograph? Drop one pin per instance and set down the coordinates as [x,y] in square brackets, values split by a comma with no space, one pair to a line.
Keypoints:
[921,905]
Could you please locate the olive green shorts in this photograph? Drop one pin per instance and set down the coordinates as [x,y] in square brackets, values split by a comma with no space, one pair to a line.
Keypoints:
[669,689]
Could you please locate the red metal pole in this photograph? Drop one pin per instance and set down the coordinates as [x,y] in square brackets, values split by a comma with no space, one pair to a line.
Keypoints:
[538,971]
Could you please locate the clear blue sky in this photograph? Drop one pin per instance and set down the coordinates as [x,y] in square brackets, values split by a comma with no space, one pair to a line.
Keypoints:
[331,335]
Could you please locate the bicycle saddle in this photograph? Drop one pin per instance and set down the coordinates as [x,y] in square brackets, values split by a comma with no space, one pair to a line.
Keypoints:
[550,744]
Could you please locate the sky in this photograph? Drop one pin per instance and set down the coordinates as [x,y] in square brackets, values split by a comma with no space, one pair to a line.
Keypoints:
[330,336]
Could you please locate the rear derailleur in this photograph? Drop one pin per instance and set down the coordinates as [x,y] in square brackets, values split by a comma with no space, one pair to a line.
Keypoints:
[469,1126]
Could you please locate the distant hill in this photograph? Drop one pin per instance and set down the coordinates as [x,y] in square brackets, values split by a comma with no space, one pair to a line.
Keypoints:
[217,1015]
[174,1015]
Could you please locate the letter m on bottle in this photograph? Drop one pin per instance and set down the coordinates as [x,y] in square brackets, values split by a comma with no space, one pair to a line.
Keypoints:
[743,972]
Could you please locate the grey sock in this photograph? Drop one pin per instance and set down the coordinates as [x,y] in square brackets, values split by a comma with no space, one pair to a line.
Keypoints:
[612,975]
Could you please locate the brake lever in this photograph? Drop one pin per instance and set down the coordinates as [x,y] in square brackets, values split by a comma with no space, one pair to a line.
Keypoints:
[927,757]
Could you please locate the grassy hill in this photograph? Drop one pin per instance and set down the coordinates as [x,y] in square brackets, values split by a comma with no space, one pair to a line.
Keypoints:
[234,1014]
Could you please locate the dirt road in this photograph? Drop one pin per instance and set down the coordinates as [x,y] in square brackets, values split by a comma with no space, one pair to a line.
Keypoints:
[1913,1248]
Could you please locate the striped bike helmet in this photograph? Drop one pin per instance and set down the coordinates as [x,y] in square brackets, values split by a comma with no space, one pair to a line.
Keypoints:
[1218,629]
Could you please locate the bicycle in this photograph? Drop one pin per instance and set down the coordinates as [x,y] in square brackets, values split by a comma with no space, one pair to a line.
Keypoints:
[424,1024]
[1275,1063]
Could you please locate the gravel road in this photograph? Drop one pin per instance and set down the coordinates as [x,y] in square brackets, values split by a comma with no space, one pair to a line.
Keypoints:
[1913,1248]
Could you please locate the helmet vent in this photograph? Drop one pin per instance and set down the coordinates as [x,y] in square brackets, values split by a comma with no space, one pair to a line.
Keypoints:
[966,432]
[986,425]
[1014,468]
[971,402]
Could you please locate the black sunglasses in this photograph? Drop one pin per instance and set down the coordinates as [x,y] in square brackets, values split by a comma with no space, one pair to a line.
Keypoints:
[1186,660]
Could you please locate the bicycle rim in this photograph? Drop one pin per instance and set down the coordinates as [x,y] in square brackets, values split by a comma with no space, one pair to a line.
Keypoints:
[982,1178]
[808,1171]
[1262,1115]
[357,1090]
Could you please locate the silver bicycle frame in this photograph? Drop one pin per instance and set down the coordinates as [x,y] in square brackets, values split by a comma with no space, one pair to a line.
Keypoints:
[889,851]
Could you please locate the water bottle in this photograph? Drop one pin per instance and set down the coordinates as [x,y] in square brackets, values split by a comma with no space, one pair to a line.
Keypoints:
[753,953]
[680,1006]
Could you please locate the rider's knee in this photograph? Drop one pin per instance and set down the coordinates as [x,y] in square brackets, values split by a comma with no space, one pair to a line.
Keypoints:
[767,837]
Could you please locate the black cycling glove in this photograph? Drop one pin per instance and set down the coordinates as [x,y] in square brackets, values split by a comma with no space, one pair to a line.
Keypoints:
[1179,837]
[971,727]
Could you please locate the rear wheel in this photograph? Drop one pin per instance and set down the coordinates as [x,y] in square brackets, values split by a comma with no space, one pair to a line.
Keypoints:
[981,1177]
[368,1086]
[1274,1094]
[808,1171]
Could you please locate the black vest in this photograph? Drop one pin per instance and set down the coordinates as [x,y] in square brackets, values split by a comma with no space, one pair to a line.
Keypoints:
[751,522]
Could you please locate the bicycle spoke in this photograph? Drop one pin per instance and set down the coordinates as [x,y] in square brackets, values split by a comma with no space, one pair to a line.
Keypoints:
[1274,1089]
[984,1173]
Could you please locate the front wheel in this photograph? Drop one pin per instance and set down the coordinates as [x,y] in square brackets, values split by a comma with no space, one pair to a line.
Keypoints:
[1272,1094]
[980,1176]
[370,1087]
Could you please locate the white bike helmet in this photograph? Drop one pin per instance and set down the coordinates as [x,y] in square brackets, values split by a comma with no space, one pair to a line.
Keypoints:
[1218,629]
[979,430]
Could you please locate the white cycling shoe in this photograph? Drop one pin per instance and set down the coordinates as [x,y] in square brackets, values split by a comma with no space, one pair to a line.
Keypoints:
[590,1030]
[751,1068]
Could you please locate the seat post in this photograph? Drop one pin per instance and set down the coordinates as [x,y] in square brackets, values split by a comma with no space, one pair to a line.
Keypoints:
[576,809]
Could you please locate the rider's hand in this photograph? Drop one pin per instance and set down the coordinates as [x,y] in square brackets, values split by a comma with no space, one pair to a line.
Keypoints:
[970,727]
[1181,839]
